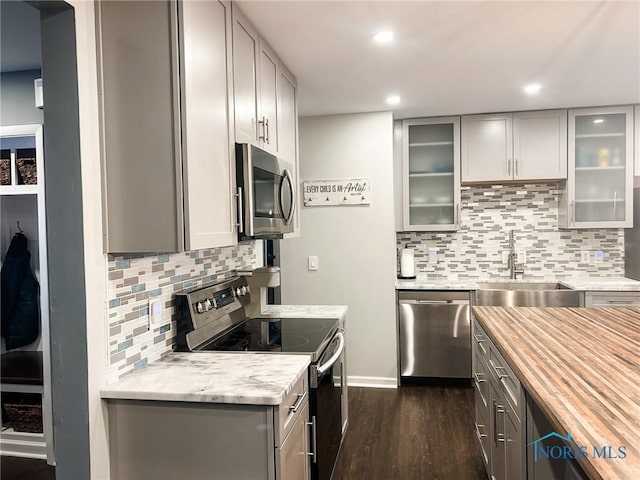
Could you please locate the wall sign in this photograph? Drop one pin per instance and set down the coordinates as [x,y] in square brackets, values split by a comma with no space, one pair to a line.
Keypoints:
[319,193]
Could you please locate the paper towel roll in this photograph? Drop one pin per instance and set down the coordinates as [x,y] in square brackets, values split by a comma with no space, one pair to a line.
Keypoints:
[407,265]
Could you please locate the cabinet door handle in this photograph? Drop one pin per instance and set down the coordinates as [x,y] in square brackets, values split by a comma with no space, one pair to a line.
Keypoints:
[621,302]
[516,167]
[572,213]
[478,338]
[314,443]
[476,375]
[496,369]
[500,436]
[480,435]
[262,137]
[508,167]
[266,124]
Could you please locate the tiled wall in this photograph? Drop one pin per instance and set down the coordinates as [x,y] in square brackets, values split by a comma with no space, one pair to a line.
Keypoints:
[135,280]
[487,215]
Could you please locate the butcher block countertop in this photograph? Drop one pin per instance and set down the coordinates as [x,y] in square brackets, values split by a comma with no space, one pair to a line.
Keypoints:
[582,367]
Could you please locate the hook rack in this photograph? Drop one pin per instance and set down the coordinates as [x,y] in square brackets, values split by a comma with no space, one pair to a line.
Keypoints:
[19,229]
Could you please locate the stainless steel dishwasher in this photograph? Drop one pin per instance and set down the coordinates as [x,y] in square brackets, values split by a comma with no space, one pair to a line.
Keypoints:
[435,334]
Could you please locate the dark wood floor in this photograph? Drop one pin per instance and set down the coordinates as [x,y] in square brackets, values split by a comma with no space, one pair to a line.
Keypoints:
[414,432]
[16,468]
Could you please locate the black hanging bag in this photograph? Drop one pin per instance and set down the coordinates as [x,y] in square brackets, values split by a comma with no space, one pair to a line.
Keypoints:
[20,314]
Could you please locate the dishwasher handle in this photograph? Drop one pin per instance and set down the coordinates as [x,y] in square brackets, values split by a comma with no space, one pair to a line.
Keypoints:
[433,302]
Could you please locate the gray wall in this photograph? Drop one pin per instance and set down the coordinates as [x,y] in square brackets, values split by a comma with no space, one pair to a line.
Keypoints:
[355,244]
[17,100]
[63,188]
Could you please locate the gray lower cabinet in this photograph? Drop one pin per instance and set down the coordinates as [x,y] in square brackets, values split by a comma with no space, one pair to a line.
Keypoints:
[499,405]
[151,440]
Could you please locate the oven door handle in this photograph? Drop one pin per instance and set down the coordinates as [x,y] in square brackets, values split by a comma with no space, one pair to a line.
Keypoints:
[329,363]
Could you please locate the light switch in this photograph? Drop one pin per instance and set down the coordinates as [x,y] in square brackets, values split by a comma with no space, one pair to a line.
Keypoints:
[433,255]
[313,263]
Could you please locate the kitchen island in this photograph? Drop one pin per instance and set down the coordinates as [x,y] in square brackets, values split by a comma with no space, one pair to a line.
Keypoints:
[581,366]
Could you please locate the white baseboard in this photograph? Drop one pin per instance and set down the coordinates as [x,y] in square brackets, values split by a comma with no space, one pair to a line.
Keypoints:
[372,382]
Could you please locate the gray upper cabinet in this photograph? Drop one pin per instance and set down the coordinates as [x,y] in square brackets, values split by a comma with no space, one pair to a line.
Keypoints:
[140,133]
[207,135]
[246,48]
[256,76]
[520,146]
[599,188]
[166,140]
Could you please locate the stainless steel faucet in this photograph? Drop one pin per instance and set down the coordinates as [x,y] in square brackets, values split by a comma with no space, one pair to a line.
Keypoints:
[514,268]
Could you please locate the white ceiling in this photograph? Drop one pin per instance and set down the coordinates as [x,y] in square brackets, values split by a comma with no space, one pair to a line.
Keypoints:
[454,57]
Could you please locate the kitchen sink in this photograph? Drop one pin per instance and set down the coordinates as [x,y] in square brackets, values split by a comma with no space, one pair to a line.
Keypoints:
[527,294]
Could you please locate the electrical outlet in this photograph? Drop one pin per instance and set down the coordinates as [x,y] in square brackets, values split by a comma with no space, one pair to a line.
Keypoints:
[521,256]
[598,256]
[155,312]
[584,256]
[433,255]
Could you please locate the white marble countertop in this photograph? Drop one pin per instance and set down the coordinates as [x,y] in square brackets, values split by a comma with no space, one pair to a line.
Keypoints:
[605,284]
[306,311]
[240,378]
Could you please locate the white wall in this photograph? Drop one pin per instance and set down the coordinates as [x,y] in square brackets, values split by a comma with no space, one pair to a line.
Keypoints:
[355,244]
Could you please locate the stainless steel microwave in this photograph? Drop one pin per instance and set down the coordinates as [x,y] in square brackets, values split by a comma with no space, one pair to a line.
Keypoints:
[266,193]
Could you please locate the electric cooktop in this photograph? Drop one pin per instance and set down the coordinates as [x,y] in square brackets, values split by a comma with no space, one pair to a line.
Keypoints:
[284,335]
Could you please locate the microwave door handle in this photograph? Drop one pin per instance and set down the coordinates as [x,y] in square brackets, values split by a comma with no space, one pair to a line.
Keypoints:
[287,218]
[329,363]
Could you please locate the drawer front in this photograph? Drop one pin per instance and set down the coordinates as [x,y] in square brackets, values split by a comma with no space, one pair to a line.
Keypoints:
[480,341]
[613,299]
[287,411]
[481,380]
[509,383]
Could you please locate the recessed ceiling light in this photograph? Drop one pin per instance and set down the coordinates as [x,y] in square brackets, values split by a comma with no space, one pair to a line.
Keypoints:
[598,120]
[532,88]
[393,100]
[384,37]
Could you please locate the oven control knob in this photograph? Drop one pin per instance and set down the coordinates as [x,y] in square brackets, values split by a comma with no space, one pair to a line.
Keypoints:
[199,307]
[244,290]
[207,305]
[238,292]
[214,302]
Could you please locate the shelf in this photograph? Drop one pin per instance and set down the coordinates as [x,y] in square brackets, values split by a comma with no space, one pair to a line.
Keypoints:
[438,174]
[600,169]
[430,144]
[430,205]
[19,189]
[600,135]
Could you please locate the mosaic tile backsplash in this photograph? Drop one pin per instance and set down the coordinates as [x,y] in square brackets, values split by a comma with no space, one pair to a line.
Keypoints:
[488,213]
[135,280]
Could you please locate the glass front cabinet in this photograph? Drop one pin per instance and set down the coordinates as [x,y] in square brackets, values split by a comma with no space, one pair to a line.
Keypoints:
[431,174]
[599,188]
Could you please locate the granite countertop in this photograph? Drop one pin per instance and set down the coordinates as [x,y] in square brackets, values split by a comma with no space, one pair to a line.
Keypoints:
[239,378]
[581,366]
[606,284]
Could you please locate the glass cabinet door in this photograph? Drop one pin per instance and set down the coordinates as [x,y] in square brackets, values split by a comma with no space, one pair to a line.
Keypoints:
[431,159]
[602,166]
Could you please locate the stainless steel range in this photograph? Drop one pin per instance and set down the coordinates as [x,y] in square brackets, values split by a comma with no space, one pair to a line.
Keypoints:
[214,318]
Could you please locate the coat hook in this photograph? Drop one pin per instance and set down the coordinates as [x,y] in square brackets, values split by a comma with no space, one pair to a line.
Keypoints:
[19,229]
